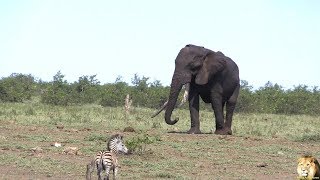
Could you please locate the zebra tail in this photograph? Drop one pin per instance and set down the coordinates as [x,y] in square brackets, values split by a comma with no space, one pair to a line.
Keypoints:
[90,169]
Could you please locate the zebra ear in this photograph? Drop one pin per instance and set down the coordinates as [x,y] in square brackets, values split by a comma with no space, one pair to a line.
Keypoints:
[119,136]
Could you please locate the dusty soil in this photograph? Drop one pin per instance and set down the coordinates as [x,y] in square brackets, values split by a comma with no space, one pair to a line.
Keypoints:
[172,156]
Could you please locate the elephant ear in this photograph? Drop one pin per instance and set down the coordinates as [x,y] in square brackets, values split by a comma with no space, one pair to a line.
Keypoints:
[212,64]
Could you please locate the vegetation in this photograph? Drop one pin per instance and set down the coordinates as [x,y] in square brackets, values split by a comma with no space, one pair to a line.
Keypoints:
[138,144]
[17,88]
[276,140]
[272,126]
[274,99]
[271,98]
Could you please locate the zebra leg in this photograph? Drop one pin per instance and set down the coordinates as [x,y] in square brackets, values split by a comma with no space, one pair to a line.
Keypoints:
[107,173]
[115,172]
[99,171]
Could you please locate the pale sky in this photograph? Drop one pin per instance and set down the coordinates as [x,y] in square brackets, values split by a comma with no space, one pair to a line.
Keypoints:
[270,40]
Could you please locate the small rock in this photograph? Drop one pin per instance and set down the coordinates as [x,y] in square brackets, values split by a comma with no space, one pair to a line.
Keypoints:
[199,165]
[262,165]
[60,126]
[222,137]
[129,129]
[72,151]
[86,129]
[37,150]
[56,144]
[71,130]
[33,129]
[280,153]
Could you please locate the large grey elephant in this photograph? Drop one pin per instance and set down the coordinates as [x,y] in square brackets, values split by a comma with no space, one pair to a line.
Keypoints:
[212,76]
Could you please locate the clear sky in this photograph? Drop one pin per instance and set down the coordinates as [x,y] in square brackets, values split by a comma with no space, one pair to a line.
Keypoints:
[270,40]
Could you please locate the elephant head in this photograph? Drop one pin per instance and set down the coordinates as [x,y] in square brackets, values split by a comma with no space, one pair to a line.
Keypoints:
[193,64]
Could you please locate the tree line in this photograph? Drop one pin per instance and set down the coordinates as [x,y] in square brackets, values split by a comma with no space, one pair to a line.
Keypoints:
[271,98]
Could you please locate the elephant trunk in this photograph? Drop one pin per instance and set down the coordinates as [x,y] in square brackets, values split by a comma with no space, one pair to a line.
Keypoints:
[184,99]
[174,93]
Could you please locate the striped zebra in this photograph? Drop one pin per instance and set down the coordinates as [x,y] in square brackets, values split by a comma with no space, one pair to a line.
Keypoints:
[107,160]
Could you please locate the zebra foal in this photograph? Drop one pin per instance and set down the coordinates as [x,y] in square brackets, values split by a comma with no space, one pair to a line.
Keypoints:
[107,160]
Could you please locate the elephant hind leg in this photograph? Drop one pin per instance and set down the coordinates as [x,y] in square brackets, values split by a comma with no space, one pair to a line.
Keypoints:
[230,106]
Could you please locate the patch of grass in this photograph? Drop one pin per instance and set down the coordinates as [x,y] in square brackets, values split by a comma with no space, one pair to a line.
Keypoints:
[15,146]
[33,138]
[92,150]
[270,125]
[165,175]
[315,137]
[43,165]
[30,111]
[131,162]
[39,138]
[71,141]
[96,137]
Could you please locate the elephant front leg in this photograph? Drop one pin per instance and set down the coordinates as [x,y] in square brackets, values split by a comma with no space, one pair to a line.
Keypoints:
[217,106]
[194,113]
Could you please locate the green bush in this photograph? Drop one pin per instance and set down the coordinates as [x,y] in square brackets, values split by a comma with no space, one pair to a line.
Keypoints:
[86,90]
[145,94]
[244,102]
[300,101]
[17,88]
[142,93]
[139,143]
[58,92]
[113,95]
[274,99]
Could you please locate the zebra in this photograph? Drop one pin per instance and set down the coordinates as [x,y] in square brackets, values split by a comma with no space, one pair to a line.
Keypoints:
[107,160]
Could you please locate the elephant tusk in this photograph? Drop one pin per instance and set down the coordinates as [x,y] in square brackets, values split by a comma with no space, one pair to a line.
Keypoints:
[185,95]
[161,109]
[184,99]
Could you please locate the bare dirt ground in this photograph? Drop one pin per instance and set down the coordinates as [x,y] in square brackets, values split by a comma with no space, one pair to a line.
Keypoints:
[172,156]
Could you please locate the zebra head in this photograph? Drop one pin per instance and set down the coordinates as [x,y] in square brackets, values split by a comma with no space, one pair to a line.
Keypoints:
[116,145]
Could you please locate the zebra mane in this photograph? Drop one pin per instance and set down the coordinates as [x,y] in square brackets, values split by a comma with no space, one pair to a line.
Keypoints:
[113,137]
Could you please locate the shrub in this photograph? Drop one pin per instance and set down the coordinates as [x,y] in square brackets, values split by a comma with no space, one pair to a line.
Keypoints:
[86,90]
[113,95]
[58,92]
[139,143]
[271,98]
[17,88]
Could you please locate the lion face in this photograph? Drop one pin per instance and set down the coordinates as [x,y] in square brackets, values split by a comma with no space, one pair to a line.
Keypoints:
[306,166]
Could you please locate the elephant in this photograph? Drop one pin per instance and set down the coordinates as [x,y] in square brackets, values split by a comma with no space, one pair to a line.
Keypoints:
[208,74]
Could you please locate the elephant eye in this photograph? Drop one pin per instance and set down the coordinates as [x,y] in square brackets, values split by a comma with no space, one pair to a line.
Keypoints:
[194,66]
